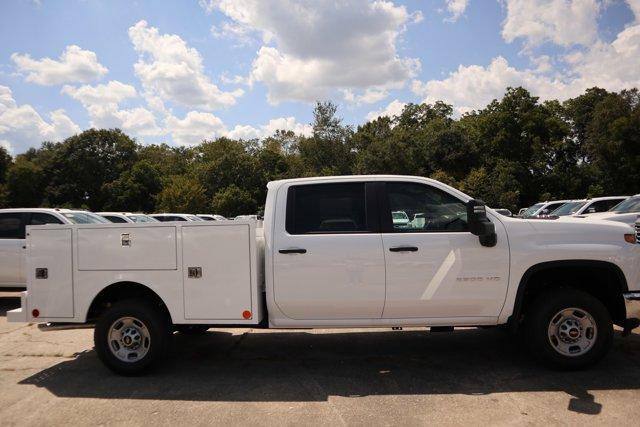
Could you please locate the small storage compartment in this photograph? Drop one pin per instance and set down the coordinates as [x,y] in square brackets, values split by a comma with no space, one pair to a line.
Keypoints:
[133,247]
[49,272]
[217,271]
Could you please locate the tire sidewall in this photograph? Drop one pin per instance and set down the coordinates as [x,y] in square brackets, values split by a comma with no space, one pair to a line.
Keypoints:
[154,323]
[546,307]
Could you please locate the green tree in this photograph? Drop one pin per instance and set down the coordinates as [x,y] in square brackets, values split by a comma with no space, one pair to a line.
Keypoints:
[5,163]
[135,189]
[79,167]
[232,201]
[24,186]
[182,194]
[327,152]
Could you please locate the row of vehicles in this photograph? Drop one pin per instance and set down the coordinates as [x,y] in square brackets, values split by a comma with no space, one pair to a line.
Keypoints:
[346,251]
[614,208]
[13,223]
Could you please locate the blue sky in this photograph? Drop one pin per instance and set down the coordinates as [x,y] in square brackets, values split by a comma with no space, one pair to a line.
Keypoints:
[182,71]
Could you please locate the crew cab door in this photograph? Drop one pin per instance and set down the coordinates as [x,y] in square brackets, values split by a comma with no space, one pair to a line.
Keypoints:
[328,261]
[435,268]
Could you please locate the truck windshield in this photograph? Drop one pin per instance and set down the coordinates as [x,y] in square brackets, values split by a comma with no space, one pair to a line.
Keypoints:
[632,204]
[80,217]
[533,209]
[568,208]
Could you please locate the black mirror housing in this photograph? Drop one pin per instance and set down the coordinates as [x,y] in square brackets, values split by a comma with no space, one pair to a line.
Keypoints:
[479,224]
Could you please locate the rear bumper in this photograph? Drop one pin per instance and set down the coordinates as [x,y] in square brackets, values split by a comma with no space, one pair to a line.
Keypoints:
[19,314]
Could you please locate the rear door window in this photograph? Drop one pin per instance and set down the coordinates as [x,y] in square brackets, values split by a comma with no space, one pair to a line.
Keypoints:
[327,208]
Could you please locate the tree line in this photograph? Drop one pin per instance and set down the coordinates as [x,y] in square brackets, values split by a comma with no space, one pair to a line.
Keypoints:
[512,153]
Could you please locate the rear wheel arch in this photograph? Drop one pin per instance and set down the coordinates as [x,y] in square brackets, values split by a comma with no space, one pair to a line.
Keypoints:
[120,291]
[602,279]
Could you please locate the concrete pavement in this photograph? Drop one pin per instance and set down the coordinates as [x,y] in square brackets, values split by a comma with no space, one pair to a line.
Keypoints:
[332,377]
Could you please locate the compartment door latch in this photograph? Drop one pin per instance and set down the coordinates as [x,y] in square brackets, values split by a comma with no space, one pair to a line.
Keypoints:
[194,272]
[42,273]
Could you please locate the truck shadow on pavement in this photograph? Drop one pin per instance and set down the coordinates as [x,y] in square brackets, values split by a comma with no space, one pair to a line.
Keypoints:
[305,366]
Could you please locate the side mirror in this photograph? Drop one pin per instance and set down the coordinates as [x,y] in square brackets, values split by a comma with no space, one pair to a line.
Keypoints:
[479,224]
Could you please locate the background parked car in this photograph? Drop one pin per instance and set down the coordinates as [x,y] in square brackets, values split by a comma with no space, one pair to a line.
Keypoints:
[543,208]
[568,208]
[627,211]
[211,217]
[13,223]
[120,217]
[600,204]
[245,217]
[166,217]
[505,212]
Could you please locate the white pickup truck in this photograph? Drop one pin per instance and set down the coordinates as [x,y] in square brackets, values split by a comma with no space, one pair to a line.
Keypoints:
[330,255]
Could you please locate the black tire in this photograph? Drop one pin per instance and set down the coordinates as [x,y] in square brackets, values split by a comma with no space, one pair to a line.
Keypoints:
[546,308]
[154,323]
[192,329]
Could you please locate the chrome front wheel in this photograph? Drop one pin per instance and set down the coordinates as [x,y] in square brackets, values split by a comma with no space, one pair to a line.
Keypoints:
[572,332]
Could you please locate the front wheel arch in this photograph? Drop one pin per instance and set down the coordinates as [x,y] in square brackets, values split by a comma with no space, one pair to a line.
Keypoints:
[601,279]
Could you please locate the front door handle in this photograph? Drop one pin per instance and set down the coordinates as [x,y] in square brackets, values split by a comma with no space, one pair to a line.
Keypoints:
[293,251]
[404,249]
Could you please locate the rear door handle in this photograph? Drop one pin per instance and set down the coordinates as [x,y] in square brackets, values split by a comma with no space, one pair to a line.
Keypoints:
[293,251]
[404,249]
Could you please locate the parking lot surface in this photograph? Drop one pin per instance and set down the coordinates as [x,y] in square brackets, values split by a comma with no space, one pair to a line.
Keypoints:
[319,377]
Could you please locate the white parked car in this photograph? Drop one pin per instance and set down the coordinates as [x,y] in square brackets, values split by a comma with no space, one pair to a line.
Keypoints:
[626,212]
[569,208]
[246,217]
[166,217]
[210,217]
[330,256]
[543,208]
[400,218]
[599,204]
[12,237]
[120,217]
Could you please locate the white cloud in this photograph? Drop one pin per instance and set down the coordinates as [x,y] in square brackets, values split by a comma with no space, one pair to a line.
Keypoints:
[229,30]
[22,127]
[173,71]
[281,123]
[312,48]
[611,66]
[456,8]
[563,22]
[474,86]
[634,5]
[102,103]
[194,128]
[394,108]
[113,92]
[370,96]
[74,65]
